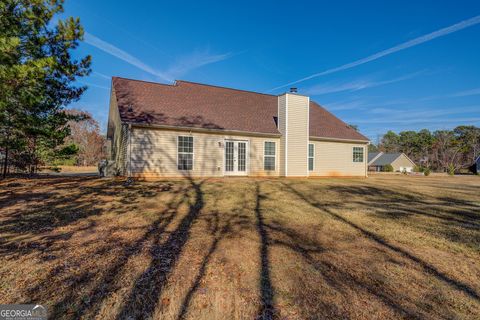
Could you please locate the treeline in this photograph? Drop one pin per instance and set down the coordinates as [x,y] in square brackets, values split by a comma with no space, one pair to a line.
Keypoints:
[37,80]
[441,150]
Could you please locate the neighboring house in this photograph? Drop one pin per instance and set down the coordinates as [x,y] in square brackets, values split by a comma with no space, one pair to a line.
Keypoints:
[399,161]
[476,166]
[192,129]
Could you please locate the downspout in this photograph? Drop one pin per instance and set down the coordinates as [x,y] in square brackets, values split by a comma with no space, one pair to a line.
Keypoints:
[365,157]
[129,150]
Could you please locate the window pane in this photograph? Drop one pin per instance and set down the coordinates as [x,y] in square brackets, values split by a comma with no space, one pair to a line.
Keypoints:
[185,153]
[229,156]
[311,150]
[357,154]
[269,155]
[185,144]
[269,148]
[185,161]
[310,164]
[242,156]
[269,163]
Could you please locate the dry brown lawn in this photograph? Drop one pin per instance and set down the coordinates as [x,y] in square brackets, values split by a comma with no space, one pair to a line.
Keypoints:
[379,248]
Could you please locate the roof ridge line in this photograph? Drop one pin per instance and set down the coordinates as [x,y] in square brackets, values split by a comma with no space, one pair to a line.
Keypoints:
[146,81]
[228,88]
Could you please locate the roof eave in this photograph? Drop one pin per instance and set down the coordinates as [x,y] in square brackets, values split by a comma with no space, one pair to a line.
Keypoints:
[204,130]
[339,139]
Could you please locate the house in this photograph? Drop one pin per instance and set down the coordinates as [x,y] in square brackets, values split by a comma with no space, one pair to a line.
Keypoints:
[399,161]
[193,129]
[476,166]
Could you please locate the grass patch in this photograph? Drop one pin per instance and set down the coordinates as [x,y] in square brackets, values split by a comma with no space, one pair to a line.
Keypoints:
[385,247]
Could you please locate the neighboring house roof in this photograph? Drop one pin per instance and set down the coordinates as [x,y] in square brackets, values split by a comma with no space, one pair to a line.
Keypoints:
[188,104]
[386,158]
[373,155]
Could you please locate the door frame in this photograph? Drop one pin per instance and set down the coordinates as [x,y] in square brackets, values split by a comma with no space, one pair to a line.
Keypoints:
[247,157]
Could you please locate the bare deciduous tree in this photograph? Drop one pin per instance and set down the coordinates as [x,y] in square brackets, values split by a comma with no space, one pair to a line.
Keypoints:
[86,135]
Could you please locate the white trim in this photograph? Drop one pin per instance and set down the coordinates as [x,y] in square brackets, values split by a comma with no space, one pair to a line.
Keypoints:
[286,134]
[275,156]
[308,133]
[308,157]
[373,160]
[363,154]
[129,150]
[193,152]
[339,140]
[212,131]
[247,157]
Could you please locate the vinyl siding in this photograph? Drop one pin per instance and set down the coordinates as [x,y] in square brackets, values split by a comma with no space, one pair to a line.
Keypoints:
[401,161]
[336,159]
[154,153]
[282,127]
[297,135]
[117,135]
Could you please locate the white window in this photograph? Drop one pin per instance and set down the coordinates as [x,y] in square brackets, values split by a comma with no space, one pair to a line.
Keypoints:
[185,153]
[357,154]
[269,156]
[311,156]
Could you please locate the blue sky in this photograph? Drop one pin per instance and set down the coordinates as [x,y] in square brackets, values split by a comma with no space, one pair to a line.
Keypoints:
[382,65]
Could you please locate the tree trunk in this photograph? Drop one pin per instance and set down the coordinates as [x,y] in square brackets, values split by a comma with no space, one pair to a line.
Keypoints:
[5,162]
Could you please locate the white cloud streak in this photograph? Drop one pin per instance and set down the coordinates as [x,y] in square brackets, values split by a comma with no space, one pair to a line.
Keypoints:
[356,85]
[192,61]
[414,42]
[179,68]
[93,85]
[472,92]
[101,75]
[122,55]
[396,116]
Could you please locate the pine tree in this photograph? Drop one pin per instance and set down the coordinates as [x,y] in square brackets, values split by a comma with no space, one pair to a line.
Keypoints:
[37,75]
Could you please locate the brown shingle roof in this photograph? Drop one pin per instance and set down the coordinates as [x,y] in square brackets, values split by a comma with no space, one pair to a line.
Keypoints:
[197,105]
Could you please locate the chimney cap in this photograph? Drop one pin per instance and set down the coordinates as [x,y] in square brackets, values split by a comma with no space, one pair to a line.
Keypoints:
[293,90]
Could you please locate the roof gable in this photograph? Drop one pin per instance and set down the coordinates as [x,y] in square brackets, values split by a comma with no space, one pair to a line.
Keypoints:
[388,158]
[194,105]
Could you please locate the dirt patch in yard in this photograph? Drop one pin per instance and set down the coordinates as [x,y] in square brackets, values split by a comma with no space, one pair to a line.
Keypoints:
[386,247]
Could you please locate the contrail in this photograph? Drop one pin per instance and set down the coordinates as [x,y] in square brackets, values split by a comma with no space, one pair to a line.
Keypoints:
[122,55]
[425,38]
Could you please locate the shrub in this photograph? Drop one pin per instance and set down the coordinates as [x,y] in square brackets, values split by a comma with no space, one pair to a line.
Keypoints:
[426,171]
[388,168]
[451,169]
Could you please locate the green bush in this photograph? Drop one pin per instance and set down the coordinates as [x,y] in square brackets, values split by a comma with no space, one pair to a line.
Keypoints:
[426,171]
[451,169]
[388,168]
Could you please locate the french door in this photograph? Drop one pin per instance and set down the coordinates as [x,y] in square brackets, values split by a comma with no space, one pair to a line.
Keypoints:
[236,157]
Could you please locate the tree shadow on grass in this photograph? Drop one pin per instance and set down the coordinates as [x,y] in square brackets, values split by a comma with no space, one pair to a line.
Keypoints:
[221,225]
[36,227]
[335,277]
[427,267]
[454,219]
[149,286]
[107,283]
[267,292]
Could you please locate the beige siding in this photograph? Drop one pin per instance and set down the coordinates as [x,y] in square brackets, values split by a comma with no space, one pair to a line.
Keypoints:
[154,153]
[336,159]
[293,115]
[403,162]
[117,135]
[282,127]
